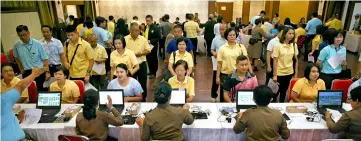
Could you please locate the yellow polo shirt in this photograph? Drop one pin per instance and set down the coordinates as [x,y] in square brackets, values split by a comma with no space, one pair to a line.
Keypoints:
[298,32]
[188,84]
[69,91]
[128,58]
[111,27]
[264,28]
[285,54]
[191,28]
[228,55]
[316,42]
[186,57]
[5,88]
[306,91]
[138,45]
[146,33]
[88,32]
[79,28]
[81,60]
[335,23]
[99,53]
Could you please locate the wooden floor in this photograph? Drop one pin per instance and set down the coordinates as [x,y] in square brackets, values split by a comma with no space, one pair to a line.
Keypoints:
[203,76]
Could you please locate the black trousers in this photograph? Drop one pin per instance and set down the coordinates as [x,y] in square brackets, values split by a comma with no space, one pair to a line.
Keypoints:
[152,60]
[209,44]
[107,62]
[315,54]
[223,79]
[141,76]
[284,82]
[269,75]
[162,47]
[52,69]
[308,39]
[215,86]
[195,43]
[328,78]
[98,81]
[39,80]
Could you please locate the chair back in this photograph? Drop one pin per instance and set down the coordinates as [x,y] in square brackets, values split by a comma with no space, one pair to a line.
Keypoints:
[72,138]
[342,84]
[11,54]
[292,83]
[81,86]
[33,92]
[3,58]
[301,41]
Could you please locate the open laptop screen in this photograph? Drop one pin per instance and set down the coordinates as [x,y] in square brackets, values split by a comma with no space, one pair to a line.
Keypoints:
[49,99]
[116,95]
[245,98]
[178,96]
[330,98]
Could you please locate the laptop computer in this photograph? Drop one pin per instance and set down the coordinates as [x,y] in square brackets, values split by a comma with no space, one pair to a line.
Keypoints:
[178,97]
[50,104]
[331,99]
[244,99]
[117,99]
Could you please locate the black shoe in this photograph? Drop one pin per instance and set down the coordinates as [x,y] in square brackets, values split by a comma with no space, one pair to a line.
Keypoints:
[255,70]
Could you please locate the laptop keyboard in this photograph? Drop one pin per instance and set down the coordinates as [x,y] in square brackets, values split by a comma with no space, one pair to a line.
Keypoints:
[47,119]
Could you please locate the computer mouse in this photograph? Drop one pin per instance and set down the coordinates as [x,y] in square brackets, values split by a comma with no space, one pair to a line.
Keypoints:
[200,113]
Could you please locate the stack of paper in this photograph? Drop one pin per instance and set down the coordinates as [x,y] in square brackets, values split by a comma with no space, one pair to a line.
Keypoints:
[32,116]
[335,115]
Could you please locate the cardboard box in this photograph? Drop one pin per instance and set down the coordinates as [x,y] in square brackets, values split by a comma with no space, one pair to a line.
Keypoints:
[134,109]
[71,111]
[296,109]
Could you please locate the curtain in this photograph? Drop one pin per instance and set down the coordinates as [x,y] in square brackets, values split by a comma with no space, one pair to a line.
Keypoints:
[89,9]
[332,8]
[45,13]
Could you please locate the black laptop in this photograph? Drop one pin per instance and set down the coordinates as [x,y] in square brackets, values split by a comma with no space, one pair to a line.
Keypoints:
[244,99]
[331,99]
[117,99]
[178,97]
[50,104]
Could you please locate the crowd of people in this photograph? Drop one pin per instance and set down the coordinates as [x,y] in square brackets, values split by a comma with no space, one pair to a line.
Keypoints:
[111,55]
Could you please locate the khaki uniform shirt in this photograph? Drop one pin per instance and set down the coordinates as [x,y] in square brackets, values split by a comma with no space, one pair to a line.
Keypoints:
[165,123]
[350,123]
[262,123]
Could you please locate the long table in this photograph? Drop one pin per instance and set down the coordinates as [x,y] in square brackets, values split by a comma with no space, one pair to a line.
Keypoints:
[213,128]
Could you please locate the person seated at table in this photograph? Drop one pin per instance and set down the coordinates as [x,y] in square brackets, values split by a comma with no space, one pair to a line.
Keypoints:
[132,89]
[10,127]
[165,121]
[240,79]
[69,89]
[9,81]
[93,123]
[181,54]
[306,88]
[350,122]
[181,80]
[262,122]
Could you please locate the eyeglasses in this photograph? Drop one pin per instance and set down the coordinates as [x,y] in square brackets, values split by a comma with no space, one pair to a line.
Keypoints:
[179,71]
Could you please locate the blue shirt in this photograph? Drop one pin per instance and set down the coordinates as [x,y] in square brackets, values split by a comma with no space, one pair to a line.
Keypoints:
[31,55]
[274,31]
[101,34]
[10,127]
[353,86]
[311,26]
[172,45]
[54,49]
[131,90]
[323,45]
[217,42]
[326,53]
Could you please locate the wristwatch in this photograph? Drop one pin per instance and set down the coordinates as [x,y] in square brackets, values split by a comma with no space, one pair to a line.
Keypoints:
[89,71]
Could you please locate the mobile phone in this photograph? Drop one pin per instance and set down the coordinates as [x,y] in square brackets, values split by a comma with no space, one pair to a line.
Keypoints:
[286,117]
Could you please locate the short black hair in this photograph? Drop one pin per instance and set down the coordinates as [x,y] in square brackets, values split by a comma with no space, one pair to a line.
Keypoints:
[133,24]
[149,16]
[276,14]
[182,39]
[4,65]
[121,38]
[81,20]
[257,21]
[356,94]
[20,28]
[122,66]
[70,28]
[219,19]
[241,58]
[88,24]
[177,18]
[334,34]
[135,18]
[47,26]
[314,14]
[233,24]
[177,26]
[308,69]
[280,27]
[263,12]
[63,69]
[228,31]
[327,35]
[162,92]
[166,17]
[71,17]
[262,95]
[111,17]
[181,62]
[99,20]
[320,29]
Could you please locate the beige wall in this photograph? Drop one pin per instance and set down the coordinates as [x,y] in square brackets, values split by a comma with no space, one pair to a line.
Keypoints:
[256,8]
[59,11]
[237,9]
[295,10]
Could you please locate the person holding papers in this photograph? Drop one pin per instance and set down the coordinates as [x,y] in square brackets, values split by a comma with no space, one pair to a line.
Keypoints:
[97,78]
[350,122]
[121,54]
[132,89]
[262,122]
[69,89]
[93,123]
[306,88]
[181,80]
[332,58]
[181,54]
[165,121]
[240,79]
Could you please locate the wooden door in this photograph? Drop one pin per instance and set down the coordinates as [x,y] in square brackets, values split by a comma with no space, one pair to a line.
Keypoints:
[245,11]
[226,10]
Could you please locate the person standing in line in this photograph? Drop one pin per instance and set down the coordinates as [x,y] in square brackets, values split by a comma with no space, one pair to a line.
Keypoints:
[311,32]
[209,34]
[261,15]
[152,34]
[216,26]
[192,29]
[255,50]
[103,38]
[270,47]
[164,30]
[276,19]
[176,21]
[111,25]
[98,79]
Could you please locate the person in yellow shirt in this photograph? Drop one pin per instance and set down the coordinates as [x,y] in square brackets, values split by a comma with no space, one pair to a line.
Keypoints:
[299,31]
[98,79]
[285,62]
[122,55]
[80,26]
[9,81]
[306,88]
[69,89]
[192,29]
[111,25]
[79,56]
[335,23]
[181,54]
[89,28]
[317,41]
[181,80]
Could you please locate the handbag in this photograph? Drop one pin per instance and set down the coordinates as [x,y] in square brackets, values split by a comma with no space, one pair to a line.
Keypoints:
[253,40]
[346,74]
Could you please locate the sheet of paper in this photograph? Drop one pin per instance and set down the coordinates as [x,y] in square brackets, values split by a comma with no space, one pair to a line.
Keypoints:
[335,115]
[98,68]
[273,85]
[214,63]
[335,60]
[32,116]
[311,59]
[139,60]
[151,46]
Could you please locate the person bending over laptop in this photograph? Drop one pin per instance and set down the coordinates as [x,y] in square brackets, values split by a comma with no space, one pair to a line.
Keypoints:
[181,80]
[306,88]
[269,128]
[240,79]
[132,88]
[350,122]
[93,123]
[69,89]
[165,121]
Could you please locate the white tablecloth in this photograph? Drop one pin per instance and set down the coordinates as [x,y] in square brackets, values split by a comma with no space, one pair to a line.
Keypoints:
[209,129]
[353,42]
